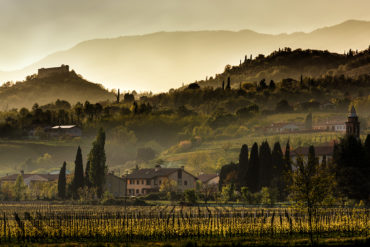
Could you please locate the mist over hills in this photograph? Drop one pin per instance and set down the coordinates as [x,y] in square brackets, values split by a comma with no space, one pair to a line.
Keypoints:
[70,87]
[165,60]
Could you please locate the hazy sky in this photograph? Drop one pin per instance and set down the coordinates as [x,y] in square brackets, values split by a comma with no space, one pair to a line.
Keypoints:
[29,30]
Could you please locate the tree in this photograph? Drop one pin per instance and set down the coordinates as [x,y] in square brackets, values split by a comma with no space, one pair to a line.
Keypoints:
[246,195]
[262,85]
[308,121]
[87,172]
[265,165]
[193,86]
[78,179]
[118,95]
[253,170]
[352,168]
[280,176]
[287,159]
[311,184]
[272,85]
[98,168]
[283,106]
[19,188]
[227,192]
[228,174]
[228,86]
[62,182]
[243,165]
[168,185]
[190,196]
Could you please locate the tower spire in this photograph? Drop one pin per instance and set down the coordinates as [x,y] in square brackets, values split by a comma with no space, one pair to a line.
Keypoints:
[352,124]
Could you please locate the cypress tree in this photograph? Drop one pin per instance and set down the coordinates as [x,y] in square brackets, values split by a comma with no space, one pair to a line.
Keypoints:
[277,160]
[265,171]
[312,162]
[78,179]
[278,171]
[228,86]
[253,170]
[98,168]
[243,165]
[287,159]
[118,95]
[87,172]
[62,182]
[308,121]
[352,168]
[367,147]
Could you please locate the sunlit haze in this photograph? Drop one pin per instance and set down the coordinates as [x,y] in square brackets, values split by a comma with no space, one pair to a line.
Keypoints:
[32,30]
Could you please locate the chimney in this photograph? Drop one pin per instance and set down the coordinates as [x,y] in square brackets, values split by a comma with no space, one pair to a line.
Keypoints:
[157,167]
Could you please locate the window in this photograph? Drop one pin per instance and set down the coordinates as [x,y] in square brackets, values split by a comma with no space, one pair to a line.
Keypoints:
[138,181]
[142,181]
[185,183]
[160,182]
[131,181]
[148,182]
[137,191]
[142,191]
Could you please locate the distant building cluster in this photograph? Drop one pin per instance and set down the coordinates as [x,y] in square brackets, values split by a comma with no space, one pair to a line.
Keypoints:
[351,128]
[48,72]
[139,182]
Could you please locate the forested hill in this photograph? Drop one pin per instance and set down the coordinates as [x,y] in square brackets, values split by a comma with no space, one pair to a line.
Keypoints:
[70,87]
[288,63]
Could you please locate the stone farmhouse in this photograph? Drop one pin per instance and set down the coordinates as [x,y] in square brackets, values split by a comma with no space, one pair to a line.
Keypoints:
[144,181]
[115,185]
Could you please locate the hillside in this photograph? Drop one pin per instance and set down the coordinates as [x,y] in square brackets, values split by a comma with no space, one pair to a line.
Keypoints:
[288,63]
[165,60]
[70,87]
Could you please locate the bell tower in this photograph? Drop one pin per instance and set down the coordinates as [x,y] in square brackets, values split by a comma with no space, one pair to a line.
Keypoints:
[353,125]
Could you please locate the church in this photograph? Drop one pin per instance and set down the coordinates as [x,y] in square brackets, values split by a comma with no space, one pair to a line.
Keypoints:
[353,125]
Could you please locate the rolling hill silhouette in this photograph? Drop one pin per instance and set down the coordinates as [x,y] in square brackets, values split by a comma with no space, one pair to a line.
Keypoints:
[165,60]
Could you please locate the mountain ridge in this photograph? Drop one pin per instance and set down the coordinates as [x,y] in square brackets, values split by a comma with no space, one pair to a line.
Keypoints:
[169,59]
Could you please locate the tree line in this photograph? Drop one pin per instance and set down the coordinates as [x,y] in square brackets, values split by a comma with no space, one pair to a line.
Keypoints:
[346,173]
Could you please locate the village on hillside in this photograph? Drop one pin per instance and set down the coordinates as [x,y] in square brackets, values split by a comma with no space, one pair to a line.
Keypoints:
[143,181]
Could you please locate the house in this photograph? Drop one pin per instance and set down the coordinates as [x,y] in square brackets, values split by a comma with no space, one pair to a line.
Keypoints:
[115,185]
[210,181]
[328,106]
[143,181]
[320,152]
[29,179]
[336,124]
[65,130]
[283,128]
